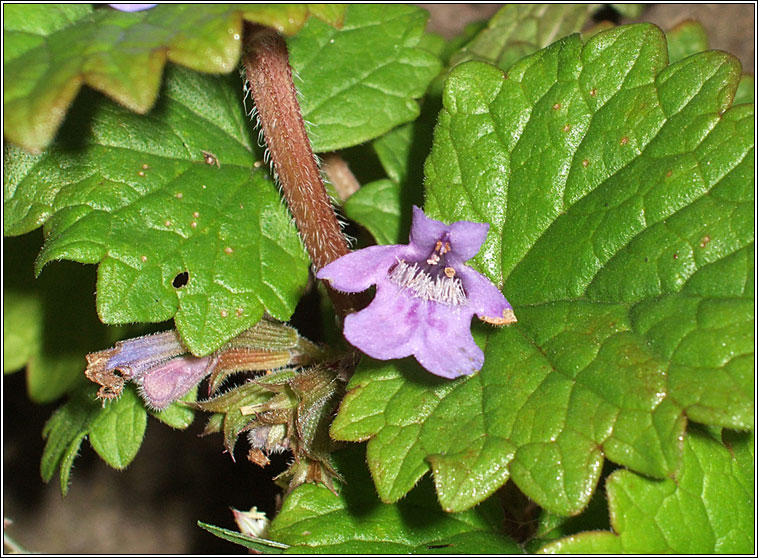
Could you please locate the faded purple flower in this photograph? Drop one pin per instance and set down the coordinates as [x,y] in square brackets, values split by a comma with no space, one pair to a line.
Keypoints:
[159,364]
[132,7]
[172,380]
[165,371]
[425,297]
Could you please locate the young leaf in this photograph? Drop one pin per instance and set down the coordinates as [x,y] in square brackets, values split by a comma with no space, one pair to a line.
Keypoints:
[686,39]
[256,544]
[620,197]
[117,431]
[707,508]
[137,195]
[358,82]
[518,30]
[313,519]
[51,50]
[64,432]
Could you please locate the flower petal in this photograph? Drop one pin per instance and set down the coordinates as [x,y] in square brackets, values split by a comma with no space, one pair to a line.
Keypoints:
[384,329]
[357,271]
[397,325]
[172,380]
[466,238]
[132,7]
[425,232]
[444,345]
[485,299]
[135,356]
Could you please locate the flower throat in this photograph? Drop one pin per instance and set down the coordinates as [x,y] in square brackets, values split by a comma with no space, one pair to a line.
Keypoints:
[431,279]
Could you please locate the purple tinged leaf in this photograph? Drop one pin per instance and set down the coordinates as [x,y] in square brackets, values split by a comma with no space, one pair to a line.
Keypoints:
[425,297]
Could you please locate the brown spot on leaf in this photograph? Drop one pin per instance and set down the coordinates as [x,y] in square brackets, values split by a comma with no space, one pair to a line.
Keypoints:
[211,159]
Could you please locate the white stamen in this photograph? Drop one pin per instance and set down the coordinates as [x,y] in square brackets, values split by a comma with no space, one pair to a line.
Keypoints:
[444,289]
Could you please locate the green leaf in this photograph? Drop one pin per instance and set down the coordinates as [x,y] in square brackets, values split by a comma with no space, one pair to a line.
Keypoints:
[49,323]
[313,519]
[177,415]
[376,206]
[64,433]
[551,526]
[136,195]
[518,30]
[51,50]
[686,39]
[21,329]
[384,206]
[707,508]
[358,82]
[117,431]
[629,10]
[745,90]
[257,544]
[620,197]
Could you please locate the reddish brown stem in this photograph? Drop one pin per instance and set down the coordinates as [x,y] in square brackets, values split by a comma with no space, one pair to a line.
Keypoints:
[270,80]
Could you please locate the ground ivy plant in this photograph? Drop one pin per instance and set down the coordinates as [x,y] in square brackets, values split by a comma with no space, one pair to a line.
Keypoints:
[612,171]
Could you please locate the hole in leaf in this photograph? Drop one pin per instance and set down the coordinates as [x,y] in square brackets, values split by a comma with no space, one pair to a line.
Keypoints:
[180,280]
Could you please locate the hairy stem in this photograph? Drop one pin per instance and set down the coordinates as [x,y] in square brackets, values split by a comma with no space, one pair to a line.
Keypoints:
[270,81]
[339,174]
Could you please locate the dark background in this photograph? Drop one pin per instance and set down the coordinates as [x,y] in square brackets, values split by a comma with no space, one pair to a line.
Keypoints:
[178,478]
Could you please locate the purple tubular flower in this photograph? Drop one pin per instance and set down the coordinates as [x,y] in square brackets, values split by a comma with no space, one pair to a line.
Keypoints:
[132,7]
[159,364]
[172,380]
[425,297]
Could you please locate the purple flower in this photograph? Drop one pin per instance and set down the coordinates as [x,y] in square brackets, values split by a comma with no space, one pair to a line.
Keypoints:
[425,297]
[165,371]
[132,7]
[159,364]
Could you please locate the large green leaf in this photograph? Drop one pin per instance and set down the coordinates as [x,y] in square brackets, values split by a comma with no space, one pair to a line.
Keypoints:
[51,50]
[136,194]
[620,196]
[360,81]
[315,520]
[708,508]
